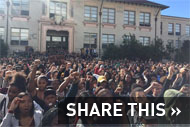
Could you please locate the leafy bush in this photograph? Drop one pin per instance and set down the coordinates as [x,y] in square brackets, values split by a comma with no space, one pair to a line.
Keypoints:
[132,49]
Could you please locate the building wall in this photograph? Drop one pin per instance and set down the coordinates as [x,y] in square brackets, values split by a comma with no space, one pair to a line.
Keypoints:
[38,21]
[175,20]
[119,29]
[29,22]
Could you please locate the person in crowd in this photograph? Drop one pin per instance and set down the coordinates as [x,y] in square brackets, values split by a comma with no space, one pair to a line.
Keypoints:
[1,78]
[50,98]
[42,81]
[22,112]
[75,75]
[25,69]
[16,86]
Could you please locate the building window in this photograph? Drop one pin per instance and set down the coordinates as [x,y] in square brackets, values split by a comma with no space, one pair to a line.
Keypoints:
[90,14]
[19,36]
[129,17]
[58,9]
[177,44]
[90,40]
[20,7]
[127,37]
[56,39]
[171,43]
[187,29]
[107,39]
[109,15]
[144,19]
[161,28]
[1,34]
[2,6]
[178,29]
[170,29]
[145,41]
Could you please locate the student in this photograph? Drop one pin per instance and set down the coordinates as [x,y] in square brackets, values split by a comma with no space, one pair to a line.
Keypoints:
[53,117]
[18,85]
[42,82]
[22,112]
[50,98]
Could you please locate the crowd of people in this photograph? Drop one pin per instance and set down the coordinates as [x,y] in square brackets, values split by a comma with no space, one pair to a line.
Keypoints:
[35,88]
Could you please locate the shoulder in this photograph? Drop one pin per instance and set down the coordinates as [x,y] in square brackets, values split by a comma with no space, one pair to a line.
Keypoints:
[38,113]
[2,96]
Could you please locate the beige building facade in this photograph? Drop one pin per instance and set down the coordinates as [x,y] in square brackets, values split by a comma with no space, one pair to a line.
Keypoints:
[55,25]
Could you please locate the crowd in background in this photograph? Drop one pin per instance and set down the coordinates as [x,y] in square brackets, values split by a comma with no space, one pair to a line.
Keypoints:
[32,87]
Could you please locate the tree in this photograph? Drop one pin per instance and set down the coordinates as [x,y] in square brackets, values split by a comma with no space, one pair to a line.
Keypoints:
[3,48]
[169,50]
[132,49]
[183,54]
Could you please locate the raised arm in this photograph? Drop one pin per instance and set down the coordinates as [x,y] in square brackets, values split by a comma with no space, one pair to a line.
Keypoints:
[31,84]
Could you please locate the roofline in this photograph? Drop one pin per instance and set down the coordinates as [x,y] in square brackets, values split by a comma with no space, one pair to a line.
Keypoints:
[134,2]
[175,17]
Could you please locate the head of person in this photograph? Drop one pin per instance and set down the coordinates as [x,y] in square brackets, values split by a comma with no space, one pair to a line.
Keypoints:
[26,106]
[85,97]
[81,83]
[174,98]
[107,75]
[69,65]
[185,89]
[140,82]
[25,67]
[41,68]
[42,82]
[161,72]
[128,78]
[101,71]
[54,74]
[122,72]
[1,73]
[55,84]
[17,85]
[183,71]
[137,95]
[112,84]
[153,77]
[50,97]
[55,117]
[157,90]
[102,81]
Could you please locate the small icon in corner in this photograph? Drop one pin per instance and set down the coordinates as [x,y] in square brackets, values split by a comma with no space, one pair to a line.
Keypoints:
[174,111]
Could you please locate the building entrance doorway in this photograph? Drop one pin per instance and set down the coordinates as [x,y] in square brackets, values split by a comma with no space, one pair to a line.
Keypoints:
[57,42]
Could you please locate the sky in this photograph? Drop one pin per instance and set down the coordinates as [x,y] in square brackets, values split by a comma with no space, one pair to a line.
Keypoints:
[179,8]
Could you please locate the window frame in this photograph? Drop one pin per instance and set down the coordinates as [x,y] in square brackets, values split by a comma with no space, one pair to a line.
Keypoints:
[143,38]
[171,42]
[129,17]
[171,32]
[187,28]
[2,8]
[105,45]
[20,41]
[90,13]
[52,15]
[178,32]
[144,19]
[89,44]
[108,15]
[19,9]
[177,44]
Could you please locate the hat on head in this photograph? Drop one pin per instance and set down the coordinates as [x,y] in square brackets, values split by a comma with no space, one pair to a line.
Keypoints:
[101,79]
[49,91]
